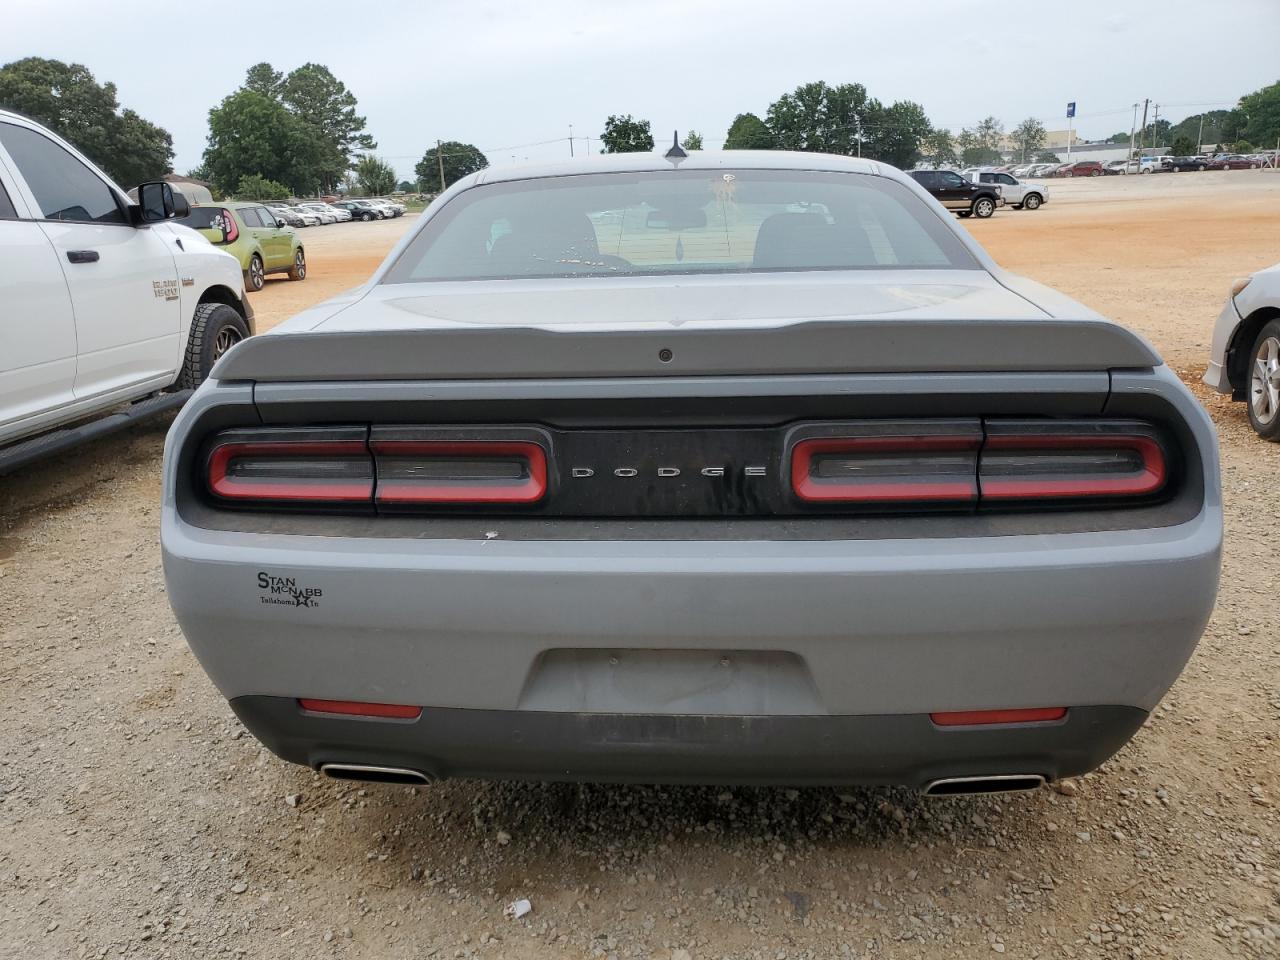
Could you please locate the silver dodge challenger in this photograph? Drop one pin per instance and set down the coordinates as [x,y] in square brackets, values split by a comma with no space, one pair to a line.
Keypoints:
[728,468]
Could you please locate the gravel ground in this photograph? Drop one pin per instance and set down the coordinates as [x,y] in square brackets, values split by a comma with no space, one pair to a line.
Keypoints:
[139,819]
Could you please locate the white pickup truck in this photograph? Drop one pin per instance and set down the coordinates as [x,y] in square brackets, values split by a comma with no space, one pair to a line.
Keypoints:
[1016,193]
[107,311]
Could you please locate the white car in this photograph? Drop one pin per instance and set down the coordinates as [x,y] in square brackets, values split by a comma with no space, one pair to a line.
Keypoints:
[309,217]
[388,208]
[104,301]
[321,211]
[1155,164]
[339,215]
[1124,167]
[1019,195]
[1244,360]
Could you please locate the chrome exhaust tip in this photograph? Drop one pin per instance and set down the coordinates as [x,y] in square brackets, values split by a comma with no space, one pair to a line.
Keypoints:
[370,773]
[976,786]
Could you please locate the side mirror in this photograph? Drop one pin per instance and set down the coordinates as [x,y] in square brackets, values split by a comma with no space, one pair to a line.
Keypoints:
[158,201]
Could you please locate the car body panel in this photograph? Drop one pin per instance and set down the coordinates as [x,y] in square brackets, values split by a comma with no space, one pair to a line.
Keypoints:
[630,646]
[1241,318]
[111,329]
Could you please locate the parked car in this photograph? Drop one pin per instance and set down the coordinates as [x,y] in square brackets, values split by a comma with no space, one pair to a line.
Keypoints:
[1244,359]
[361,210]
[251,233]
[1233,161]
[309,218]
[1122,167]
[389,209]
[959,194]
[1160,164]
[286,214]
[334,214]
[1014,192]
[320,211]
[967,548]
[1082,168]
[1185,164]
[107,302]
[1041,169]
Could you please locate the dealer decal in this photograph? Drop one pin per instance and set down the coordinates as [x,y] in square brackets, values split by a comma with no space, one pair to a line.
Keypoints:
[285,591]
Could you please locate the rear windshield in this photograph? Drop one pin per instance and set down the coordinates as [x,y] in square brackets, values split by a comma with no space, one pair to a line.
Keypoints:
[677,222]
[203,218]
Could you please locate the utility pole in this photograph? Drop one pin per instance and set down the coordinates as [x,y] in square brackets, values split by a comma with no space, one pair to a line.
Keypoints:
[1133,128]
[571,140]
[1145,103]
[440,160]
[1200,135]
[1155,125]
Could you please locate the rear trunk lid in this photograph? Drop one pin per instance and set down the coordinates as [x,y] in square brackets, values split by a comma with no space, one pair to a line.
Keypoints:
[776,323]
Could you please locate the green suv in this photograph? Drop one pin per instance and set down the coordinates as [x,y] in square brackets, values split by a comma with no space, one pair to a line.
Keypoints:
[253,236]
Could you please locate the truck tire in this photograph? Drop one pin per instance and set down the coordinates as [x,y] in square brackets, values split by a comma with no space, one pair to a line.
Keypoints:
[299,269]
[1031,201]
[983,207]
[215,329]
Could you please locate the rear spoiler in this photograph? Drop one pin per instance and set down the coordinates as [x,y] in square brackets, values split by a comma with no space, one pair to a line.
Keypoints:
[812,347]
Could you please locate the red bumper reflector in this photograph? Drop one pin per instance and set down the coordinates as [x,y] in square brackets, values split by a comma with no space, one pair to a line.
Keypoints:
[976,718]
[354,708]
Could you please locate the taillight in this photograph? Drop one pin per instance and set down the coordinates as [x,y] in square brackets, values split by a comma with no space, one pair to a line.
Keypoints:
[294,466]
[1035,460]
[889,463]
[233,230]
[457,466]
[964,462]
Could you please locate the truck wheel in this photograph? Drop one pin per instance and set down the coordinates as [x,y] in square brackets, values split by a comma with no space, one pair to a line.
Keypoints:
[299,269]
[1031,201]
[1264,383]
[255,276]
[215,329]
[983,207]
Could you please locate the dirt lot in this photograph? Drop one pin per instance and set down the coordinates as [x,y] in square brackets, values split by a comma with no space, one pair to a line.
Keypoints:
[136,817]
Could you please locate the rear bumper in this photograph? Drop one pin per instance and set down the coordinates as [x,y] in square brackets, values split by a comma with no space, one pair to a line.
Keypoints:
[497,744]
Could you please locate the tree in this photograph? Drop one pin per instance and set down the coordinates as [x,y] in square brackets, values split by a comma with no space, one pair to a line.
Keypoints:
[1029,135]
[981,145]
[896,134]
[404,186]
[376,177]
[264,79]
[255,187]
[622,134]
[249,133]
[692,140]
[819,118]
[69,101]
[1155,134]
[939,149]
[460,159]
[1046,156]
[1191,128]
[1259,117]
[316,96]
[748,132]
[1183,146]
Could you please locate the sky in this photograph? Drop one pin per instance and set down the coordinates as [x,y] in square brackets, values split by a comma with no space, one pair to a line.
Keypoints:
[509,76]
